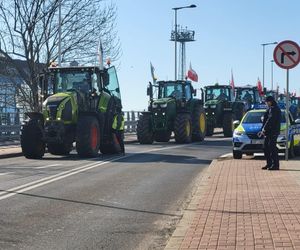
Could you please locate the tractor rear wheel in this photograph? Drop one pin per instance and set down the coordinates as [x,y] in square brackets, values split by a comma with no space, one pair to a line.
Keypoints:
[112,145]
[162,136]
[87,136]
[199,124]
[227,125]
[183,128]
[33,146]
[144,133]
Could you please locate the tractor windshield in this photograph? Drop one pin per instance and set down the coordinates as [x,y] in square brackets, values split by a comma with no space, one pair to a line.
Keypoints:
[170,89]
[248,95]
[217,94]
[67,81]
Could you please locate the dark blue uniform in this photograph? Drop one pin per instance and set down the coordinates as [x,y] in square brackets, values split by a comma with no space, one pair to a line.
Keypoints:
[271,129]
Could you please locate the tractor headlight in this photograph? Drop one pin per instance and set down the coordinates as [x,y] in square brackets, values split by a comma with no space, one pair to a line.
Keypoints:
[239,133]
[154,105]
[163,105]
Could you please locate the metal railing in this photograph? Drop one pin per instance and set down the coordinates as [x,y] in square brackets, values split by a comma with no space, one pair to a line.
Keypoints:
[10,124]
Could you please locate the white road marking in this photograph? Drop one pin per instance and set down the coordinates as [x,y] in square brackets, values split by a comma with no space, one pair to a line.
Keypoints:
[226,155]
[6,173]
[48,166]
[47,180]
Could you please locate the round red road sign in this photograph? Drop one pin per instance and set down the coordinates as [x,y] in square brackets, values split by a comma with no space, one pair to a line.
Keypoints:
[287,54]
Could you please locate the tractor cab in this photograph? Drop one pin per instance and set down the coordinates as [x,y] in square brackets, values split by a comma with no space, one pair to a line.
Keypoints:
[249,95]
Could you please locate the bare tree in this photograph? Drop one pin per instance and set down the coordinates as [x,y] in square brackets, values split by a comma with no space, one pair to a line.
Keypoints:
[29,31]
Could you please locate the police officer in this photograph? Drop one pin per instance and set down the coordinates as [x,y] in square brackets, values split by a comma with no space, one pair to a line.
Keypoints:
[118,129]
[271,130]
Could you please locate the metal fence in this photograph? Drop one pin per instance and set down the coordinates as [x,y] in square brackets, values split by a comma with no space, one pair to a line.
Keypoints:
[10,124]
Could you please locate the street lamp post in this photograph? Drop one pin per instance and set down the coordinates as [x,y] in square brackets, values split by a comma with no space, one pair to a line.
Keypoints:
[272,64]
[264,45]
[175,9]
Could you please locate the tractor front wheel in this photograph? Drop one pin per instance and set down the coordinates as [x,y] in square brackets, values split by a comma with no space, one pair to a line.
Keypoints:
[183,128]
[87,136]
[199,124]
[32,144]
[144,132]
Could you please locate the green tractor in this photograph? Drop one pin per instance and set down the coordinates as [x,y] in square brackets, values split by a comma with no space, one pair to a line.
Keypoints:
[221,109]
[174,109]
[79,107]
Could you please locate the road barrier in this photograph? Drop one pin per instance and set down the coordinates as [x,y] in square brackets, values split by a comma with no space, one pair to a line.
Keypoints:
[10,124]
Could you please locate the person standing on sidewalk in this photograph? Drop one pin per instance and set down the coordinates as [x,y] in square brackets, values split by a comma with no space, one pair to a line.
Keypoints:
[270,130]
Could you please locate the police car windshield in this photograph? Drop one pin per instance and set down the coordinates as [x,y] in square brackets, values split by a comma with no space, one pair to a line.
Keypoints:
[257,117]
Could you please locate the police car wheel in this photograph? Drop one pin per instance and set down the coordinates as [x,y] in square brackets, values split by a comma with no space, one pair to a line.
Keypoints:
[237,154]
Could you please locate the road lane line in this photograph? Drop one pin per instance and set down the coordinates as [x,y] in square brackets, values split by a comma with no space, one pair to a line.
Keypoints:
[43,179]
[6,173]
[47,180]
[48,166]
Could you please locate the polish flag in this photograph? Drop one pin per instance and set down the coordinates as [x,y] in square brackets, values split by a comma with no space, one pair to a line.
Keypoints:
[192,74]
[259,87]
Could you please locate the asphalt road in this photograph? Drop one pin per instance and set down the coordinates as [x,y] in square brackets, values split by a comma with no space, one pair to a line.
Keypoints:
[112,202]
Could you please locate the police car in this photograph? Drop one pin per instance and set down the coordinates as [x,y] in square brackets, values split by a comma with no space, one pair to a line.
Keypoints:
[246,140]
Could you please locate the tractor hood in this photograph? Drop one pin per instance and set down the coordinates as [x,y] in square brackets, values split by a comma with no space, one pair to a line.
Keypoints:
[59,106]
[211,102]
[162,102]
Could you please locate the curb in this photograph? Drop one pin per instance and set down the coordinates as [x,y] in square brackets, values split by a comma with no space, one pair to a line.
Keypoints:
[184,224]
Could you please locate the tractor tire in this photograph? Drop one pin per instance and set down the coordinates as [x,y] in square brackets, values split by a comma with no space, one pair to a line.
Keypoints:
[32,144]
[237,154]
[112,146]
[144,133]
[209,130]
[87,136]
[199,124]
[162,136]
[228,125]
[60,148]
[183,128]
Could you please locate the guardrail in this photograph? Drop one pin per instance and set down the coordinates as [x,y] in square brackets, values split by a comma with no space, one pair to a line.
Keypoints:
[10,124]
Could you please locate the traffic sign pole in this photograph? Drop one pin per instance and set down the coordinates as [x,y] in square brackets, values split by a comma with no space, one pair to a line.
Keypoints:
[287,99]
[287,56]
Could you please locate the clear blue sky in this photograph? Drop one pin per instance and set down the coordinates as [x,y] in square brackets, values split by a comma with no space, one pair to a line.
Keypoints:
[228,36]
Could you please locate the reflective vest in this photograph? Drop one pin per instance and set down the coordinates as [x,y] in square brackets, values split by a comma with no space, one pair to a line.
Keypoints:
[118,123]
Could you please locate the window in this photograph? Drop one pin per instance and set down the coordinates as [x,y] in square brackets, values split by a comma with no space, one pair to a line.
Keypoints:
[113,86]
[188,93]
[66,81]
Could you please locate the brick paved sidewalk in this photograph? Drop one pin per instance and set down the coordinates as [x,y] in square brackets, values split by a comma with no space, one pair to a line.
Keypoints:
[240,206]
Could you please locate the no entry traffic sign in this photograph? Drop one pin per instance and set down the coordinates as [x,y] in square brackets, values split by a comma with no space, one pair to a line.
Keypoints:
[287,54]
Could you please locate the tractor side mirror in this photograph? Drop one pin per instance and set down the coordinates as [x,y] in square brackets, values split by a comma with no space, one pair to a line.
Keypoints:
[105,78]
[150,91]
[195,92]
[236,124]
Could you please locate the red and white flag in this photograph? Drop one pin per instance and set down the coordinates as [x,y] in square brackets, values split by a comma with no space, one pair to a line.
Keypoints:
[192,75]
[260,88]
